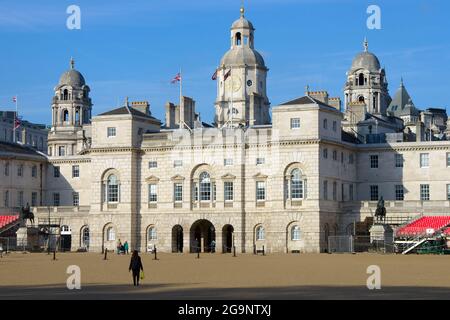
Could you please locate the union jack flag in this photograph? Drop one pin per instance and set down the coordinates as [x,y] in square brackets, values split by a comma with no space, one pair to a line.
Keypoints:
[177,78]
[14,99]
[17,123]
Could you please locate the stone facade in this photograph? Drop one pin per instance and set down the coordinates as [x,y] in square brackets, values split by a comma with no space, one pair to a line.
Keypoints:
[284,184]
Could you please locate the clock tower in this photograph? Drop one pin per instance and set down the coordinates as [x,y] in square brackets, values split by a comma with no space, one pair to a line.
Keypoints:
[241,81]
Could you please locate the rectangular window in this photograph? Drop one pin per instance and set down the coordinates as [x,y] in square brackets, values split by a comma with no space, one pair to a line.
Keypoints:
[399,161]
[295,123]
[342,157]
[195,192]
[351,158]
[425,192]
[260,191]
[75,171]
[228,191]
[448,159]
[424,160]
[20,170]
[325,190]
[56,199]
[152,164]
[448,192]
[374,161]
[260,161]
[113,192]
[334,126]
[34,199]
[75,199]
[399,193]
[350,192]
[7,169]
[111,132]
[334,191]
[20,199]
[178,192]
[227,162]
[6,200]
[152,193]
[373,193]
[178,163]
[62,151]
[334,155]
[325,153]
[33,171]
[325,124]
[56,173]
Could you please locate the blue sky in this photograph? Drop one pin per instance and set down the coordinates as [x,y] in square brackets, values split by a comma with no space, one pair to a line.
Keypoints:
[134,48]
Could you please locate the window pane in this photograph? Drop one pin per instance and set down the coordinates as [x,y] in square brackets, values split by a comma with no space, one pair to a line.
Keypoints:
[205,187]
[228,189]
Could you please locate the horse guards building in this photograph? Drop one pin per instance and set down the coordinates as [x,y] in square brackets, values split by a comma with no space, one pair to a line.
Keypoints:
[285,180]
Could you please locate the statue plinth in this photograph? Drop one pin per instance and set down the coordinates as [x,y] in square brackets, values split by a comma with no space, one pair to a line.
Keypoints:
[382,235]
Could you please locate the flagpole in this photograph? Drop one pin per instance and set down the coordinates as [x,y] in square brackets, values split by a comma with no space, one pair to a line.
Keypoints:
[181,97]
[232,93]
[14,122]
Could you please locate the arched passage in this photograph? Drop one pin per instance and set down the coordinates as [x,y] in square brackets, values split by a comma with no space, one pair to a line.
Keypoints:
[227,238]
[203,236]
[177,239]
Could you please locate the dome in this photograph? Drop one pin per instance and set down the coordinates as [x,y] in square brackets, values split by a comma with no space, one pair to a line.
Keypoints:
[242,23]
[366,60]
[72,78]
[242,55]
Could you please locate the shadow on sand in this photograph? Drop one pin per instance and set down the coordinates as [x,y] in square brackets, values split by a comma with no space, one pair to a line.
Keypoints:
[173,292]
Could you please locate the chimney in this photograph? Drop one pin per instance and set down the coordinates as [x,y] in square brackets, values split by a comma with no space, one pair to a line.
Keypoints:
[319,95]
[142,106]
[187,111]
[335,103]
[170,115]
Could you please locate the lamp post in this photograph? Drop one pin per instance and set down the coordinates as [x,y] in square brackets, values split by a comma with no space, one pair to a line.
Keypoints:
[48,236]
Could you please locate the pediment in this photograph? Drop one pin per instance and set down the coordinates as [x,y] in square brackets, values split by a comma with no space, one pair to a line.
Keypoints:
[152,179]
[259,175]
[228,176]
[177,178]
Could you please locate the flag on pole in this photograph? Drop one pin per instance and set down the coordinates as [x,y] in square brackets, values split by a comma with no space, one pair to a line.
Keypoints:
[14,99]
[225,77]
[17,122]
[177,78]
[214,76]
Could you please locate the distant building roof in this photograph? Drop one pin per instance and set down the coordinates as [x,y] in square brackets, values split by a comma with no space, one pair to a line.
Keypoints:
[307,100]
[127,110]
[16,149]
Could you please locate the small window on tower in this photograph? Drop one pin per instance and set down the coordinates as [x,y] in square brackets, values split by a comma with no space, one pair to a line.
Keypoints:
[246,40]
[66,116]
[238,39]
[361,79]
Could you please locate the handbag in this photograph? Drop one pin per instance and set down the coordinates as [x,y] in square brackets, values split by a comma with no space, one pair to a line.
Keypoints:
[141,275]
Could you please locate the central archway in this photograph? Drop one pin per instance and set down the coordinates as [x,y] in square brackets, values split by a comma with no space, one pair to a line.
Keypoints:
[227,238]
[203,236]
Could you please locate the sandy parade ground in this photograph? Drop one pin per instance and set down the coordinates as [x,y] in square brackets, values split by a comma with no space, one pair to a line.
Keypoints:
[222,276]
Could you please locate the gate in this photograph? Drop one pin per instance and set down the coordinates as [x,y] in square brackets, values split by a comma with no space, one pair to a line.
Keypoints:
[340,244]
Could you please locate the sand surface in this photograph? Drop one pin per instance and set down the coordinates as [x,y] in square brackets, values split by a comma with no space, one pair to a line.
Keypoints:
[183,276]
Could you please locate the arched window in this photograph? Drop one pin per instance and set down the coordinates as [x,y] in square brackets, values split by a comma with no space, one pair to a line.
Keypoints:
[361,79]
[361,99]
[295,233]
[260,233]
[296,184]
[66,94]
[77,116]
[238,39]
[110,234]
[152,234]
[113,189]
[66,116]
[85,237]
[205,187]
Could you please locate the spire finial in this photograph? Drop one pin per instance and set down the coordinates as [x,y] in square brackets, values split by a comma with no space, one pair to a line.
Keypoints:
[366,45]
[126,102]
[242,10]
[401,82]
[307,90]
[72,63]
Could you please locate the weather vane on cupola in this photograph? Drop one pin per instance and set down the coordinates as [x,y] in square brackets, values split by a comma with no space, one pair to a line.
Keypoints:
[242,8]
[366,45]
[72,63]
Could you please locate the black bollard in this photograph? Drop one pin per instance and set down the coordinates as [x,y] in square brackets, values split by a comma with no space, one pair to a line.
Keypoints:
[106,255]
[154,250]
[254,249]
[54,254]
[263,251]
[234,251]
[198,253]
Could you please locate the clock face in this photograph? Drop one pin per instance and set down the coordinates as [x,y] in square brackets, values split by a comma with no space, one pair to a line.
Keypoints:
[236,81]
[249,83]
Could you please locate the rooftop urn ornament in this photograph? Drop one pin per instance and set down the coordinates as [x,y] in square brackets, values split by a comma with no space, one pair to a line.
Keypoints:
[72,63]
[366,45]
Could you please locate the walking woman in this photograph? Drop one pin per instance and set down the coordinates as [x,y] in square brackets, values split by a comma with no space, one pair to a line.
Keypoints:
[136,267]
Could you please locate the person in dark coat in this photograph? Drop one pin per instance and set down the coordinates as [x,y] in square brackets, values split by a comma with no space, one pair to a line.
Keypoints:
[135,267]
